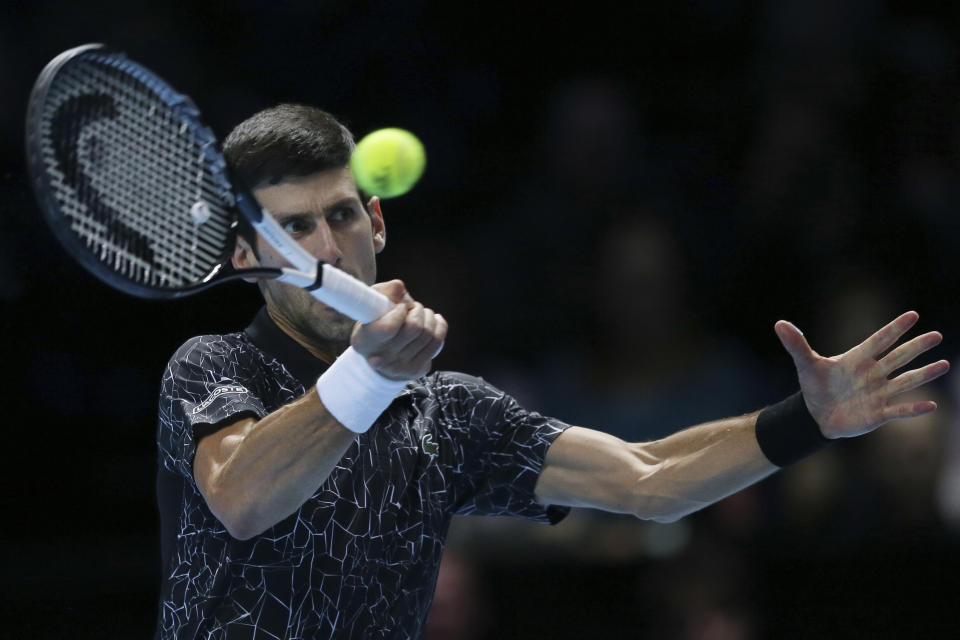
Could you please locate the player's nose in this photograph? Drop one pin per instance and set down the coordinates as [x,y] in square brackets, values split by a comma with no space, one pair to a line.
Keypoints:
[323,244]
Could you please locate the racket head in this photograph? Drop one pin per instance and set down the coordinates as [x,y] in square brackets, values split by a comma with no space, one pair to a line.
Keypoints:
[130,180]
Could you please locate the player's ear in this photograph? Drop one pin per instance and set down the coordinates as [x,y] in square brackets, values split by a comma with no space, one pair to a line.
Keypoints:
[244,257]
[377,224]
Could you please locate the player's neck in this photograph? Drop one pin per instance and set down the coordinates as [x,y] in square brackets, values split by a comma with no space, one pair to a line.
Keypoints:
[321,349]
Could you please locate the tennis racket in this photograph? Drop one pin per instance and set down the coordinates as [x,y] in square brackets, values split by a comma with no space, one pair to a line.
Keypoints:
[135,187]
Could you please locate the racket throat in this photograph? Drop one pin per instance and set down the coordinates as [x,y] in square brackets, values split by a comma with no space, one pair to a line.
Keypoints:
[276,237]
[302,279]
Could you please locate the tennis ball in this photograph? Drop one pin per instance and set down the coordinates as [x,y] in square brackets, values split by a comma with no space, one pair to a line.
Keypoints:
[388,162]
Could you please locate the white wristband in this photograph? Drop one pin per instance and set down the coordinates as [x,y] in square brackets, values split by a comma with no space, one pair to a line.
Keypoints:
[354,393]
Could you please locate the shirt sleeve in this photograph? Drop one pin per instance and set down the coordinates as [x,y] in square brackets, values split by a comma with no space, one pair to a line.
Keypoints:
[501,449]
[204,386]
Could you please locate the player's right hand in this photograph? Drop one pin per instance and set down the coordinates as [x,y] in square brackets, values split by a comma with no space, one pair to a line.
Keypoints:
[400,344]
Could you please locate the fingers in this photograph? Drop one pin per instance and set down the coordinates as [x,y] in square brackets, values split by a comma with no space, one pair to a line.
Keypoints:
[395,290]
[419,352]
[402,343]
[796,345]
[908,410]
[412,328]
[440,334]
[417,332]
[917,377]
[382,329]
[906,352]
[887,336]
[393,331]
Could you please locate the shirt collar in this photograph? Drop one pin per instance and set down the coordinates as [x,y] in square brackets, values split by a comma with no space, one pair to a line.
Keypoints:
[265,334]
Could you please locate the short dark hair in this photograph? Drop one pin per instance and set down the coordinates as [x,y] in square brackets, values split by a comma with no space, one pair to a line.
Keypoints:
[285,141]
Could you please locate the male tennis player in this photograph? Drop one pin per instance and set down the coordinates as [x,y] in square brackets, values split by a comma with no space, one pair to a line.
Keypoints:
[309,467]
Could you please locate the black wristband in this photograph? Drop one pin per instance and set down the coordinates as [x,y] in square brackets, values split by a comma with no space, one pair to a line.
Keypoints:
[787,432]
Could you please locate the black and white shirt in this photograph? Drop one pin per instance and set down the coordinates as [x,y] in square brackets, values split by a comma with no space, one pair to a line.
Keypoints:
[359,559]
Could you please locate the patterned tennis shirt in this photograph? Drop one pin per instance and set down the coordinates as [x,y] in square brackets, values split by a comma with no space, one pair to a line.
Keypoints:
[359,559]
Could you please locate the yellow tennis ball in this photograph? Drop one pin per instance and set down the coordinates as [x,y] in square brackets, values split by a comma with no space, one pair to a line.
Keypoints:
[388,162]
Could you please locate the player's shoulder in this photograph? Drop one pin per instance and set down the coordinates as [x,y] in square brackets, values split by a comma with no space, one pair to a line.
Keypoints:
[199,350]
[459,384]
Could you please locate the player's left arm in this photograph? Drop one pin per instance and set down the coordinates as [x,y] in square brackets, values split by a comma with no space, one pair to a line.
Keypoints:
[846,396]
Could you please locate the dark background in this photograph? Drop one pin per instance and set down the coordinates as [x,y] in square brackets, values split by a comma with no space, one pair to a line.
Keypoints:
[620,201]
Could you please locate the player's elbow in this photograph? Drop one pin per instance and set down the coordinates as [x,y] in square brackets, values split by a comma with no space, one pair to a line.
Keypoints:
[657,500]
[656,492]
[241,528]
[238,518]
[667,518]
[657,509]
[665,509]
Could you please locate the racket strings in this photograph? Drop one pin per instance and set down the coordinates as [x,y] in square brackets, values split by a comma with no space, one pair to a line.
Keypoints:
[164,184]
[128,171]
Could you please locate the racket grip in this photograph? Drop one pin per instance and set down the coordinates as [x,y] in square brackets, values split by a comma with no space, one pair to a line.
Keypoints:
[349,296]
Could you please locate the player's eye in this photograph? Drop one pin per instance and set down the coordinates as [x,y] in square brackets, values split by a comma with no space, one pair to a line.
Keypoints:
[343,214]
[298,225]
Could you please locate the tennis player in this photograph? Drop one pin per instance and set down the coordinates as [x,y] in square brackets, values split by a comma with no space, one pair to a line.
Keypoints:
[310,467]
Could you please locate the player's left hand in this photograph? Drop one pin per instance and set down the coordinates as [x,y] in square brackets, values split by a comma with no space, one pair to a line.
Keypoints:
[854,393]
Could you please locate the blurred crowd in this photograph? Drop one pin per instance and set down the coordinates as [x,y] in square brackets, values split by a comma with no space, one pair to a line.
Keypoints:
[611,240]
[838,212]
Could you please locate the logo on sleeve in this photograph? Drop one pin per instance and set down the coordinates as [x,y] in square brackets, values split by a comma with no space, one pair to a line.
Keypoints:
[429,445]
[219,391]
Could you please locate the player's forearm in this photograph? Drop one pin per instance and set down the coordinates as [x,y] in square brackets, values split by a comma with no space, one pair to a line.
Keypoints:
[694,468]
[278,463]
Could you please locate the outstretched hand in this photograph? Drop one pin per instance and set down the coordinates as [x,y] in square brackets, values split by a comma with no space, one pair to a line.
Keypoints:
[854,393]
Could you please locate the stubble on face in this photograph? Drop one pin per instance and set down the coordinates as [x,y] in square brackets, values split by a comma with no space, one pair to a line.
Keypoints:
[297,312]
[316,326]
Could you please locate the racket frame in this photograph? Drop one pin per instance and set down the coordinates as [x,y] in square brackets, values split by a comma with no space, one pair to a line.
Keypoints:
[326,283]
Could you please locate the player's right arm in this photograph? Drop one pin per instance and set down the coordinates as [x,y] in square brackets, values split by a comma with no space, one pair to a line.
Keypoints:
[254,473]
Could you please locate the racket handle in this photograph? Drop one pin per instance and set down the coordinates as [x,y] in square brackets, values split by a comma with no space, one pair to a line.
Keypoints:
[349,296]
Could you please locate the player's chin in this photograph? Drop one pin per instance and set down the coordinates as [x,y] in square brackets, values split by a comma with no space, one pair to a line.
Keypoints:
[331,316]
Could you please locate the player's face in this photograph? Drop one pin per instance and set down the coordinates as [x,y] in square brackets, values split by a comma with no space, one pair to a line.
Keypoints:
[324,214]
